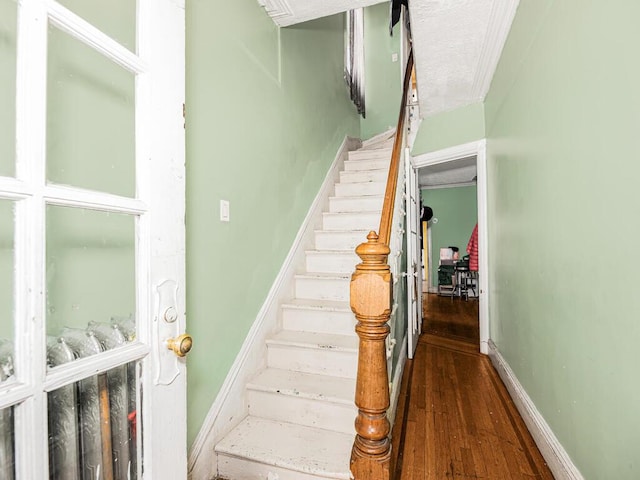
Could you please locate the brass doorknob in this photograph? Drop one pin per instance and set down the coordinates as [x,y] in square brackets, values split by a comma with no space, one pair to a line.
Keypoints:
[180,345]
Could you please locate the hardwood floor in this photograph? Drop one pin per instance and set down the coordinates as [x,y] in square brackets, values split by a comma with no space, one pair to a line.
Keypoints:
[455,418]
[452,318]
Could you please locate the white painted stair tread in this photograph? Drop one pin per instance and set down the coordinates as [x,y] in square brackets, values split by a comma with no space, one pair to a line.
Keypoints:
[322,316]
[357,176]
[377,140]
[356,203]
[388,143]
[340,239]
[331,252]
[369,154]
[368,164]
[320,341]
[331,261]
[307,450]
[323,286]
[323,305]
[325,276]
[360,188]
[350,220]
[377,196]
[306,385]
[358,232]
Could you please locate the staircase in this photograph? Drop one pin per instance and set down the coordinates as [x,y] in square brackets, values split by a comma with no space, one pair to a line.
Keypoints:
[301,407]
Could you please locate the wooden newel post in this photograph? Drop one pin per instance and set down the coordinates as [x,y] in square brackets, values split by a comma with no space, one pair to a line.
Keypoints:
[371,303]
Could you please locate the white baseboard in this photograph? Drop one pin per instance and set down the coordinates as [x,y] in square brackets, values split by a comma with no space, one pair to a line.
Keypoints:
[229,407]
[553,452]
[396,383]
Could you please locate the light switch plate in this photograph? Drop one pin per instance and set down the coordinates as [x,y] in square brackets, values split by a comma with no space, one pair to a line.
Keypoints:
[224,210]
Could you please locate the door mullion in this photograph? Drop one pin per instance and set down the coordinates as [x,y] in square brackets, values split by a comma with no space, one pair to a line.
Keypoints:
[31,87]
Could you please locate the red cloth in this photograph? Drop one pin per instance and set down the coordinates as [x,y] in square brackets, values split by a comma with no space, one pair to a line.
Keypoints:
[472,250]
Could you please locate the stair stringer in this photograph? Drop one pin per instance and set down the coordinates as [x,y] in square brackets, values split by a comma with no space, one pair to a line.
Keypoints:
[230,405]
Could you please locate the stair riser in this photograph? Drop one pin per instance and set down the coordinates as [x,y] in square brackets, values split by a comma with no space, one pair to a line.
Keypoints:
[303,411]
[358,189]
[371,154]
[339,240]
[332,262]
[320,361]
[359,165]
[351,221]
[322,288]
[380,145]
[319,321]
[234,468]
[364,176]
[357,204]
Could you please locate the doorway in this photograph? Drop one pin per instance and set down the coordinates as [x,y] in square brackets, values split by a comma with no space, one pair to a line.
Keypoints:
[92,240]
[458,166]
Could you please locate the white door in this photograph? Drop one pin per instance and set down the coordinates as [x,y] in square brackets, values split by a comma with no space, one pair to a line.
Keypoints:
[92,240]
[414,280]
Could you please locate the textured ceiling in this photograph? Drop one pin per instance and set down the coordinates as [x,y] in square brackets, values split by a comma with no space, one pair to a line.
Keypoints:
[456,172]
[290,12]
[457,43]
[457,46]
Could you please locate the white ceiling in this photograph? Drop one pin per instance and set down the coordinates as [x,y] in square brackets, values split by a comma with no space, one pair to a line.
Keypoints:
[457,43]
[290,12]
[448,174]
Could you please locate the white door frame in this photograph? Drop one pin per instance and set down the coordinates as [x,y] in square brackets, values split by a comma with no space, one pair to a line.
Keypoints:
[479,149]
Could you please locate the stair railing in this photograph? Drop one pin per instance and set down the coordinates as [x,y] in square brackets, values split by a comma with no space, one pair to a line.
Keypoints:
[371,301]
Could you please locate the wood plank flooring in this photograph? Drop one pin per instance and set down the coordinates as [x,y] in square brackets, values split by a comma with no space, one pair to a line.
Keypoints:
[452,318]
[455,418]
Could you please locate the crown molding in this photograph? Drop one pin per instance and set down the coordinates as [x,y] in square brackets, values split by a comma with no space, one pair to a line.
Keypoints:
[277,9]
[500,20]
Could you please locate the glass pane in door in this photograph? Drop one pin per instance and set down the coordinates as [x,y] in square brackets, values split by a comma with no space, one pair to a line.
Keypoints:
[116,18]
[90,271]
[8,23]
[6,290]
[90,118]
[93,424]
[7,456]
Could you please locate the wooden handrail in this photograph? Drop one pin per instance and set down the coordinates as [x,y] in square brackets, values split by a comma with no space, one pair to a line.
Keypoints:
[371,291]
[384,232]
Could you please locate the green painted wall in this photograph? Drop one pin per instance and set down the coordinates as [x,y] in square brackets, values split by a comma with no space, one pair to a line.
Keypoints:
[447,129]
[383,78]
[563,116]
[267,111]
[457,212]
